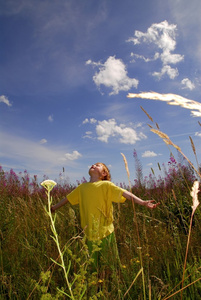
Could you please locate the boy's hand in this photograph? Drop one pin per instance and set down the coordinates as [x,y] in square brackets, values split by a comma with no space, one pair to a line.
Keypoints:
[150,204]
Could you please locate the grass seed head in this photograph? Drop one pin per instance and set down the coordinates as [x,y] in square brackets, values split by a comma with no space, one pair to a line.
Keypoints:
[194,195]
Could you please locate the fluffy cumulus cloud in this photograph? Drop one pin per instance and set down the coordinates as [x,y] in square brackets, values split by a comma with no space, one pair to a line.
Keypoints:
[149,153]
[4,99]
[171,72]
[107,129]
[73,156]
[163,37]
[187,84]
[113,74]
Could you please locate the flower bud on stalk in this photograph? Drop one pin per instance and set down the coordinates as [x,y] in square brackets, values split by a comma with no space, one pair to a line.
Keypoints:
[48,184]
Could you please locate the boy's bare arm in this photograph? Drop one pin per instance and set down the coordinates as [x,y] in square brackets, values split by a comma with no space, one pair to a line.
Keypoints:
[148,203]
[59,204]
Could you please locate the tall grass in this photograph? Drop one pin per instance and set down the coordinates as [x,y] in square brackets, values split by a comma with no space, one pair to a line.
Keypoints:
[27,249]
[195,188]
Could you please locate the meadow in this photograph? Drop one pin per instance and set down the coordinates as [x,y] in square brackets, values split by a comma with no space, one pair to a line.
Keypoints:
[152,244]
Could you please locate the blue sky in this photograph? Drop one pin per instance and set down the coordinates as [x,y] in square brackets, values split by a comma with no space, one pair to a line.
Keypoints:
[66,69]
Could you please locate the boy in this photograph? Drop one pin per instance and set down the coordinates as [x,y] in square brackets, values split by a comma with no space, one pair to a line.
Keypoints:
[95,203]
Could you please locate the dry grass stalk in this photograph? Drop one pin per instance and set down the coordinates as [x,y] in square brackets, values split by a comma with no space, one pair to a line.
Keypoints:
[140,271]
[126,167]
[127,170]
[194,150]
[194,195]
[192,145]
[169,295]
[171,99]
[161,134]
[181,290]
[150,118]
[157,126]
[167,140]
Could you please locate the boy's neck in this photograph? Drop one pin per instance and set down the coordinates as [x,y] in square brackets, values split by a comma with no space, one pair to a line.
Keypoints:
[94,179]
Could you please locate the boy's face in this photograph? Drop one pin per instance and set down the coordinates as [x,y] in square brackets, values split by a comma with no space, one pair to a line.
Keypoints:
[97,170]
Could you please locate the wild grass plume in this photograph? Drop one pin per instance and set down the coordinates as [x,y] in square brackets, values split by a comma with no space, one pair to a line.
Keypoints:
[171,99]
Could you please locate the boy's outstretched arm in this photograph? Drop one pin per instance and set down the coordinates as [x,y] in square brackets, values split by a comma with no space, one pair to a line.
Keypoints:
[59,204]
[148,203]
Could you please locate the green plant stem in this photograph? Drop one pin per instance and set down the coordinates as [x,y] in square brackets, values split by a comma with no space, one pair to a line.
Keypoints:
[53,228]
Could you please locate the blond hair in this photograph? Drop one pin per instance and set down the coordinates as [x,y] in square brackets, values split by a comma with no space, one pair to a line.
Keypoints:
[105,168]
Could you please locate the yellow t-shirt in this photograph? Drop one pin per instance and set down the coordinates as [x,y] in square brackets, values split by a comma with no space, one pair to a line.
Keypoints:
[96,210]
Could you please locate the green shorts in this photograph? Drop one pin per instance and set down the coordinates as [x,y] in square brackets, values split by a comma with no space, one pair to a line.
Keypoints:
[104,252]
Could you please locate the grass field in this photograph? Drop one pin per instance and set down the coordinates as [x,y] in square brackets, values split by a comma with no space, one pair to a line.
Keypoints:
[152,244]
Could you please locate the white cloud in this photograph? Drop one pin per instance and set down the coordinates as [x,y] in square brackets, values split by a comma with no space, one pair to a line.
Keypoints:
[198,134]
[88,132]
[88,135]
[73,156]
[90,62]
[32,155]
[163,36]
[50,118]
[113,74]
[105,129]
[171,72]
[43,141]
[149,154]
[85,121]
[109,128]
[5,100]
[91,121]
[187,84]
[156,56]
[168,58]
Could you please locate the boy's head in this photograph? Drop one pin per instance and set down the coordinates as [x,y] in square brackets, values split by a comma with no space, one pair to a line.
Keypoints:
[106,175]
[103,170]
